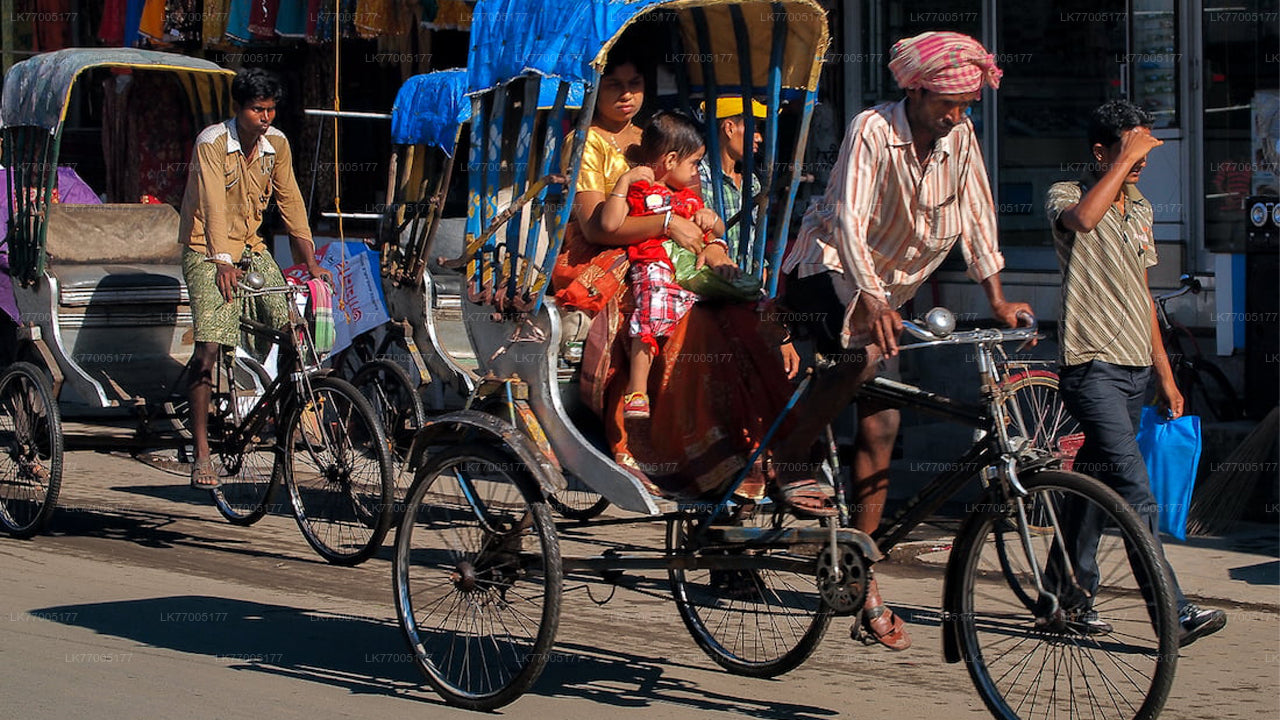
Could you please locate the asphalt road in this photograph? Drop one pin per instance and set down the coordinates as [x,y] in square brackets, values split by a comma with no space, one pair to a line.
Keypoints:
[144,603]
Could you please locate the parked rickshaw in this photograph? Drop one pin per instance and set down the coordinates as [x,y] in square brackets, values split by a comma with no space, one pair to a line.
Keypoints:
[478,570]
[104,327]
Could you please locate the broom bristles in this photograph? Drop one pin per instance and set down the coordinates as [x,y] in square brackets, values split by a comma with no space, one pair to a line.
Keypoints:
[1220,501]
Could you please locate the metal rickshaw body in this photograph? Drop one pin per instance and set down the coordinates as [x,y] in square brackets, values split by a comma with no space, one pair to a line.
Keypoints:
[99,289]
[769,50]
[430,114]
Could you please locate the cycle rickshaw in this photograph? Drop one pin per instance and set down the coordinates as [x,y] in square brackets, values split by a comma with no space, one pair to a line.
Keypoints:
[103,319]
[478,572]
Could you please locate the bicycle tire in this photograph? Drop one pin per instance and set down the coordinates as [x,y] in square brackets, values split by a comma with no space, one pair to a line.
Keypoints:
[338,470]
[757,623]
[466,587]
[395,401]
[251,473]
[1035,411]
[1133,595]
[30,451]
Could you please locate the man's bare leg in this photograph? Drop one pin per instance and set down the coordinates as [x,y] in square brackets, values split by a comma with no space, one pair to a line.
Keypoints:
[200,393]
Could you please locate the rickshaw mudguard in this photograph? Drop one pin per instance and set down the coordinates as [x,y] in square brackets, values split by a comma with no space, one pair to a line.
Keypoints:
[450,383]
[38,306]
[452,425]
[952,589]
[524,346]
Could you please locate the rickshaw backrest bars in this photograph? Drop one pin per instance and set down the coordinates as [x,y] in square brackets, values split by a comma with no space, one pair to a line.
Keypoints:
[728,48]
[520,48]
[123,254]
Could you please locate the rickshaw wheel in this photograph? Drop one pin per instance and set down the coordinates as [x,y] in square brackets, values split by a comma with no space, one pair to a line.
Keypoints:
[756,621]
[338,470]
[395,400]
[478,578]
[578,504]
[250,471]
[30,450]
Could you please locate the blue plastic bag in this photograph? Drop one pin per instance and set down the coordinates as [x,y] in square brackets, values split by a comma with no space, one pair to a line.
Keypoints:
[1171,449]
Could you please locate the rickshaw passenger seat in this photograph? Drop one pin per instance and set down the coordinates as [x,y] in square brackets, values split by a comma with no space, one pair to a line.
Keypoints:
[115,253]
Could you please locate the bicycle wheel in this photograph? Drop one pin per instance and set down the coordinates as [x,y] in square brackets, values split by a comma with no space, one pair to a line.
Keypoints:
[395,401]
[478,579]
[756,622]
[1035,411]
[1106,649]
[30,450]
[339,472]
[578,502]
[251,467]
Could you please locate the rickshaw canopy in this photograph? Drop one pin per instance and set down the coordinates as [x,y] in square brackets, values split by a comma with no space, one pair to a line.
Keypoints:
[571,39]
[429,108]
[36,90]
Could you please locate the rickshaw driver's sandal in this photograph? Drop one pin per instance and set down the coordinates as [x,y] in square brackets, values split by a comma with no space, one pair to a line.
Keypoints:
[204,476]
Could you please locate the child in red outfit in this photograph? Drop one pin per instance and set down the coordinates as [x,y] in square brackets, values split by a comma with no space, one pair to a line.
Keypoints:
[665,182]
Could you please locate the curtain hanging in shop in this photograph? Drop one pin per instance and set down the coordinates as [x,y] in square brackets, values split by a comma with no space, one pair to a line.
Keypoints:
[55,33]
[238,12]
[151,26]
[215,21]
[262,19]
[132,18]
[291,21]
[452,15]
[111,31]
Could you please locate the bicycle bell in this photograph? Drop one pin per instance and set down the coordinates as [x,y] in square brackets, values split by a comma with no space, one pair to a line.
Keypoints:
[255,280]
[940,321]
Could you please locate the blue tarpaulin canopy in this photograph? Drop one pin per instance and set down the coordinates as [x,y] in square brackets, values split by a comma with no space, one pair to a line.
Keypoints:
[431,107]
[569,39]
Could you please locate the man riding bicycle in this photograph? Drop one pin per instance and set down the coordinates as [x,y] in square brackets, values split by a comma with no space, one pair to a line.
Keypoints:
[236,167]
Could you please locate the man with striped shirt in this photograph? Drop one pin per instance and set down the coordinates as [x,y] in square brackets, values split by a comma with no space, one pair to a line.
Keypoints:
[909,184]
[1110,336]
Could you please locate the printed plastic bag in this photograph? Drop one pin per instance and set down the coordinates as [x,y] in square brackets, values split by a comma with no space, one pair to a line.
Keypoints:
[1171,449]
[705,281]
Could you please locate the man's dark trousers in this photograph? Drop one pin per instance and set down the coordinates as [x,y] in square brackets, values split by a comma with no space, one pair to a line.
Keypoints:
[1106,400]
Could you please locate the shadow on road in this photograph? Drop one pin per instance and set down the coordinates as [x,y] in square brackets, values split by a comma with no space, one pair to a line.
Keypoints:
[362,655]
[628,681]
[368,657]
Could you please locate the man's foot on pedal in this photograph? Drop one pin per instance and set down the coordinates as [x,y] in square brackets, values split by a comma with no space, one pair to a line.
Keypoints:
[1195,622]
[204,476]
[635,406]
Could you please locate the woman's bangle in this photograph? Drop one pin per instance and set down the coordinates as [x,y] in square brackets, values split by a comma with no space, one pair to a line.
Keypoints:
[718,241]
[621,195]
[666,220]
[785,341]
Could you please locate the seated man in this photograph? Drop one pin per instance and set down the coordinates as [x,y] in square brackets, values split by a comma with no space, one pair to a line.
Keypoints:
[731,127]
[236,166]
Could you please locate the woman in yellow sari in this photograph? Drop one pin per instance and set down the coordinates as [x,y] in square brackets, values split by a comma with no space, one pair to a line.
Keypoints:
[719,381]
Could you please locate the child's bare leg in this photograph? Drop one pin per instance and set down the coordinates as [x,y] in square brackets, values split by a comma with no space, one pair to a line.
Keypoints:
[641,362]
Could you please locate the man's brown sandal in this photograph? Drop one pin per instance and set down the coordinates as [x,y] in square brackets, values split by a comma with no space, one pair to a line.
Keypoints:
[804,498]
[204,476]
[879,624]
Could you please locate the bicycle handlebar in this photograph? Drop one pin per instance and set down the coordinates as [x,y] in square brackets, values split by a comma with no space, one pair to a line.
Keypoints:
[970,337]
[1190,284]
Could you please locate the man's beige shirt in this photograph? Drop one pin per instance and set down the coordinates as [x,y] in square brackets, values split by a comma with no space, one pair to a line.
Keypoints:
[227,195]
[1106,306]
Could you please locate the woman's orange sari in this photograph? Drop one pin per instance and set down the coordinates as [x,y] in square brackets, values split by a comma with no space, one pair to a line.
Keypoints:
[714,390]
